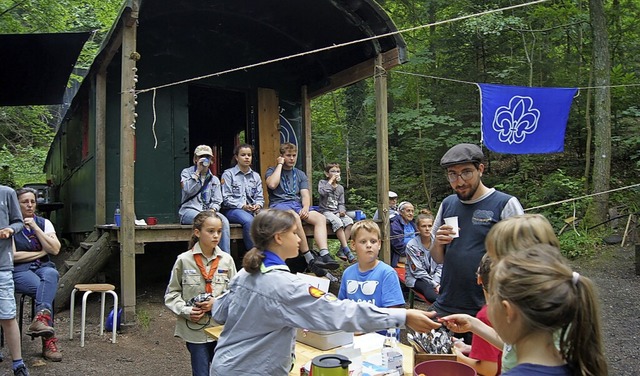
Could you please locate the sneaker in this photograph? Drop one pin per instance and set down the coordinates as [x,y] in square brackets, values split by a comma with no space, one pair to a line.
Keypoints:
[345,254]
[331,277]
[40,325]
[21,371]
[326,262]
[315,269]
[50,349]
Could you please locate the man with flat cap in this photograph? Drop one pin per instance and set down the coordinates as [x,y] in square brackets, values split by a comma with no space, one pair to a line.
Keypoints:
[460,250]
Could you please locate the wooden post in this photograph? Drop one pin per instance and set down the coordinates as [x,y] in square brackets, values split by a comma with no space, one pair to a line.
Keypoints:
[268,132]
[382,131]
[100,147]
[308,145]
[127,172]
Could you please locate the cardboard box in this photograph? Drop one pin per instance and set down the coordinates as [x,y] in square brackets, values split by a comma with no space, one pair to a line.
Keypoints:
[322,340]
[423,357]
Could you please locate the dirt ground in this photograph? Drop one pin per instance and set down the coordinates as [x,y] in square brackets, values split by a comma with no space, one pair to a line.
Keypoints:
[149,348]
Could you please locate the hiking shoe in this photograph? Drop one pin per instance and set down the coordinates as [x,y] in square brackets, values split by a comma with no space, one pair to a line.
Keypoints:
[21,371]
[345,254]
[40,325]
[331,277]
[326,262]
[50,349]
[315,269]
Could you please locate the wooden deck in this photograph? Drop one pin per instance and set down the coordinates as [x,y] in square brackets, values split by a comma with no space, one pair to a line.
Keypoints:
[163,233]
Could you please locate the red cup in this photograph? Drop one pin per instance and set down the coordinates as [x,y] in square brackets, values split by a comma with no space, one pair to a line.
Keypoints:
[152,221]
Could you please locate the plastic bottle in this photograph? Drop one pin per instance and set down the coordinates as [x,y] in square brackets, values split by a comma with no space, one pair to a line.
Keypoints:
[116,216]
[391,354]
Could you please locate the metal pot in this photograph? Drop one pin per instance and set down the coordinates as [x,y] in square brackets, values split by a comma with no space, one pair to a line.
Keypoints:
[330,365]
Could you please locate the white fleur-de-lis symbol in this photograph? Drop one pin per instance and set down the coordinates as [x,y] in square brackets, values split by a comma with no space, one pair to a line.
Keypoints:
[514,122]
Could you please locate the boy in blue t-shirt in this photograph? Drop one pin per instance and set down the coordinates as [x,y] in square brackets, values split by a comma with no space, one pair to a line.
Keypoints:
[370,280]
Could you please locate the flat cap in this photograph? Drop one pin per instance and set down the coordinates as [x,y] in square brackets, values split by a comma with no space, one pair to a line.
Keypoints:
[462,153]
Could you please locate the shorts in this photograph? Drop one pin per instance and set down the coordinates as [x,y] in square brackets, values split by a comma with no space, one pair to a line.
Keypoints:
[337,222]
[7,298]
[287,205]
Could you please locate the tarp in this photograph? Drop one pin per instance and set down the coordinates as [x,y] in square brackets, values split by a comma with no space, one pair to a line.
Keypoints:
[35,68]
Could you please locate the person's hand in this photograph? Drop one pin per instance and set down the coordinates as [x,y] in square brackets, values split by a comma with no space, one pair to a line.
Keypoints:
[421,321]
[437,289]
[460,346]
[444,234]
[29,222]
[196,314]
[201,169]
[304,213]
[6,233]
[458,323]
[280,160]
[207,305]
[342,214]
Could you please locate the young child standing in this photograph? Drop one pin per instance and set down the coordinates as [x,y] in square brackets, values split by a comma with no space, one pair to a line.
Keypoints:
[508,236]
[370,280]
[534,294]
[11,223]
[483,357]
[266,303]
[332,206]
[204,268]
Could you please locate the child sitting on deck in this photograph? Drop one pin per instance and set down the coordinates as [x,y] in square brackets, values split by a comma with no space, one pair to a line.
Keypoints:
[332,207]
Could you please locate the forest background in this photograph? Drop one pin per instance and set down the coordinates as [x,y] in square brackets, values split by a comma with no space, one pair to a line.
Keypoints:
[433,103]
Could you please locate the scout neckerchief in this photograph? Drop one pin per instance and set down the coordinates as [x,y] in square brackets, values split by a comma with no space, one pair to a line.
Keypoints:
[208,277]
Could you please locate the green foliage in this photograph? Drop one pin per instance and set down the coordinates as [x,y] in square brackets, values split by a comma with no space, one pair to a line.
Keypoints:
[579,243]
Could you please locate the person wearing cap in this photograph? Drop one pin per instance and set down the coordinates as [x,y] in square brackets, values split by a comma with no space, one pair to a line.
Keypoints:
[201,191]
[477,209]
[401,230]
[288,189]
[393,210]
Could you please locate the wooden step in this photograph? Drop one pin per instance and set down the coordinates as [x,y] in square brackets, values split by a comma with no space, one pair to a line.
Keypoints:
[70,263]
[86,245]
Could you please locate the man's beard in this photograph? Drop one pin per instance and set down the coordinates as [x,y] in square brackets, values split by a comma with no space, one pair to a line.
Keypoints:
[472,192]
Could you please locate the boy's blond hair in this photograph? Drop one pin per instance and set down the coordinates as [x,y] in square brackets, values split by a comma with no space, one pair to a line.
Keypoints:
[365,225]
[520,232]
[288,147]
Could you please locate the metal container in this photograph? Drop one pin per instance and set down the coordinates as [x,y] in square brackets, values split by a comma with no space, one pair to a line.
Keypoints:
[330,365]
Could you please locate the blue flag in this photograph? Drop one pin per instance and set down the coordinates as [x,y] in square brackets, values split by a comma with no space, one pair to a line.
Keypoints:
[524,120]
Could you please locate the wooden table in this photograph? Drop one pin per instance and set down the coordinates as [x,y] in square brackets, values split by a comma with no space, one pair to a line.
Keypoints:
[305,353]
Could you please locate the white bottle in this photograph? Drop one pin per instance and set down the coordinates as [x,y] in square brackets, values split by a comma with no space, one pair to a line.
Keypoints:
[391,354]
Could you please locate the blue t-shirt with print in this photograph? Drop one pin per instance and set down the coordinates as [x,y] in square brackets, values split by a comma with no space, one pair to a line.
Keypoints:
[379,286]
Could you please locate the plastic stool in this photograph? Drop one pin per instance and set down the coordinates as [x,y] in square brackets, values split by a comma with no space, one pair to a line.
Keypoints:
[102,288]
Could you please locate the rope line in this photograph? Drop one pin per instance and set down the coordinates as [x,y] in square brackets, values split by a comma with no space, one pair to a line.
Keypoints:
[339,45]
[474,83]
[581,197]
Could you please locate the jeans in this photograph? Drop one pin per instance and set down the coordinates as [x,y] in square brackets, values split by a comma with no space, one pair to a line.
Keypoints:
[38,280]
[225,240]
[243,218]
[201,357]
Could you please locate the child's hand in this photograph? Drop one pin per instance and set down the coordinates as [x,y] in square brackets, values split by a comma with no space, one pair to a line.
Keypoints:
[196,314]
[342,214]
[458,323]
[460,346]
[207,305]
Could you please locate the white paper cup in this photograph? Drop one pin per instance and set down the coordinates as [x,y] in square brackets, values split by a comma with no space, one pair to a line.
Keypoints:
[453,222]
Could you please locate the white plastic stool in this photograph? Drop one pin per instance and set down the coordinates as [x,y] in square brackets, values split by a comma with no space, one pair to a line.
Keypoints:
[102,288]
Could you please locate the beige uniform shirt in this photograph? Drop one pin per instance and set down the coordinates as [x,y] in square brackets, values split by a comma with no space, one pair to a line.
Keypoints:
[186,282]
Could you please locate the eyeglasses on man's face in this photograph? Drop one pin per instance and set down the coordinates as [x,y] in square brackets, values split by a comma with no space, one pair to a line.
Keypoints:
[465,175]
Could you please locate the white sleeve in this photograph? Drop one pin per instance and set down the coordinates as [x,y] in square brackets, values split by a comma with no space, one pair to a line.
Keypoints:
[48,227]
[512,208]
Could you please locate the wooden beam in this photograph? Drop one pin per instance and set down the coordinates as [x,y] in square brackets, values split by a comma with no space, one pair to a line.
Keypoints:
[268,132]
[308,145]
[359,72]
[100,147]
[127,170]
[382,132]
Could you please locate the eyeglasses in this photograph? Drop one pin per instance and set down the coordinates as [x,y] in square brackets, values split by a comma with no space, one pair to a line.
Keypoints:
[367,287]
[334,171]
[465,175]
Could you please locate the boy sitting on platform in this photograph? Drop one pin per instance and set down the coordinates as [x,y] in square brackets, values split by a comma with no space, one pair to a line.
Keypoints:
[332,207]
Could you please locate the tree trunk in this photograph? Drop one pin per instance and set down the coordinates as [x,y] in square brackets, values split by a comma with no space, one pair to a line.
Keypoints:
[601,112]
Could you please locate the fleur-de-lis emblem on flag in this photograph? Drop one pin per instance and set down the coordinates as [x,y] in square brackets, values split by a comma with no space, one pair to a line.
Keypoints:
[524,120]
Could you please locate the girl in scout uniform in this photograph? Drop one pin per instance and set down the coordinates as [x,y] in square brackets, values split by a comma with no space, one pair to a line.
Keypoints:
[204,268]
[266,303]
